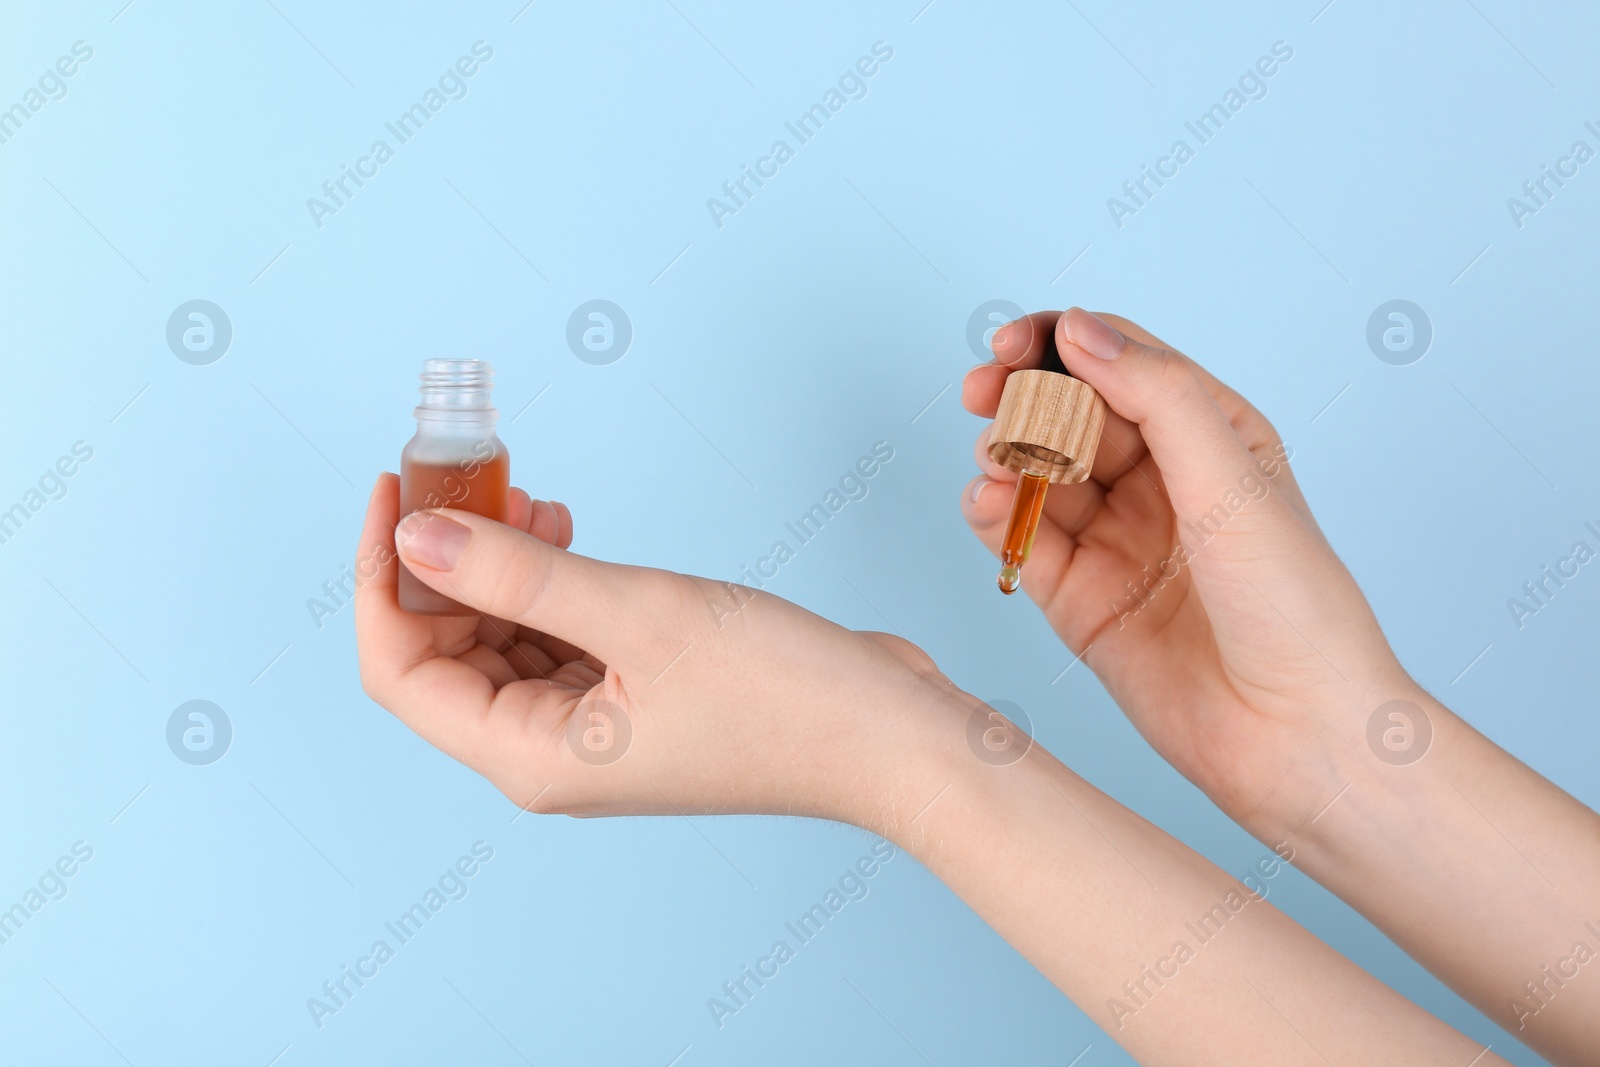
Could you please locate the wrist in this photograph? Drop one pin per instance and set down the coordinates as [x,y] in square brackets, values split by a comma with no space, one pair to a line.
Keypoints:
[920,756]
[1377,761]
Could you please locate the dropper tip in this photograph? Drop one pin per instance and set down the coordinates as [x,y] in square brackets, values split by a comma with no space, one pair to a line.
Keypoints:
[1010,579]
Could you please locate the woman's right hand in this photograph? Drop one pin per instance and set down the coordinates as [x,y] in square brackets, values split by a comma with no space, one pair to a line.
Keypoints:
[1252,662]
[1189,573]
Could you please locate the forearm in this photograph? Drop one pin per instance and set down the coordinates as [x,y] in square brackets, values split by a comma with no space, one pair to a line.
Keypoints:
[1179,962]
[1478,867]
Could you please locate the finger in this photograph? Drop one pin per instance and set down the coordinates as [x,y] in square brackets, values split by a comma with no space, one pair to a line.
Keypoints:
[519,510]
[389,641]
[543,520]
[548,520]
[530,661]
[980,455]
[1020,344]
[377,565]
[981,389]
[530,653]
[491,664]
[1253,428]
[564,539]
[546,523]
[579,674]
[496,634]
[1070,507]
[1259,436]
[1201,456]
[444,701]
[555,649]
[1247,421]
[512,575]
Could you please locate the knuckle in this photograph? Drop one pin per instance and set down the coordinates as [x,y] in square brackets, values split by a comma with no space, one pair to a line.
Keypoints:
[1172,375]
[908,652]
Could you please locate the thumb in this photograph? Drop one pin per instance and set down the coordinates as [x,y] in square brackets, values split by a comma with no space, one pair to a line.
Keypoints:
[511,575]
[1201,456]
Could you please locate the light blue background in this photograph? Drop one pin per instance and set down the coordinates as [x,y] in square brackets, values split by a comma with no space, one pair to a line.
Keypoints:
[826,315]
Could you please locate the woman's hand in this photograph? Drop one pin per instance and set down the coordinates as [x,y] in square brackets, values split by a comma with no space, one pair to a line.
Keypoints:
[593,688]
[1190,575]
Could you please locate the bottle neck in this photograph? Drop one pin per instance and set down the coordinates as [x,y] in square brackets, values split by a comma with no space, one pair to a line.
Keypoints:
[436,423]
[455,399]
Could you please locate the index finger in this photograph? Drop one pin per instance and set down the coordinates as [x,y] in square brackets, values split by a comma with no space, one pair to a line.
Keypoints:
[390,641]
[1020,343]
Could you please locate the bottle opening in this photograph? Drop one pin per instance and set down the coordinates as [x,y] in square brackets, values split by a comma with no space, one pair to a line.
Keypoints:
[455,385]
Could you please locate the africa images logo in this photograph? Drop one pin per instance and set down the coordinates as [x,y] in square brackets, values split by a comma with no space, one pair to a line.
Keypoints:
[199,732]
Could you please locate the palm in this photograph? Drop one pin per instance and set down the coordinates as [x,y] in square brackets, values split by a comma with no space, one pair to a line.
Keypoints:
[1154,647]
[515,687]
[530,685]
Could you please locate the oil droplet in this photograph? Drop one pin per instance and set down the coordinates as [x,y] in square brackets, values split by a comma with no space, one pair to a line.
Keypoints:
[1010,579]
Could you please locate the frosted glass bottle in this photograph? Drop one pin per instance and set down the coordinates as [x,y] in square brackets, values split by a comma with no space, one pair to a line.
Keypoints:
[454,461]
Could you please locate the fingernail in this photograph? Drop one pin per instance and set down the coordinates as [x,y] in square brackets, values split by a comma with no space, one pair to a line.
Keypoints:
[1094,335]
[999,339]
[431,540]
[979,486]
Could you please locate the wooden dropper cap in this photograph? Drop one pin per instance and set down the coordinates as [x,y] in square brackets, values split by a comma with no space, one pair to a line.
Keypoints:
[1048,421]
